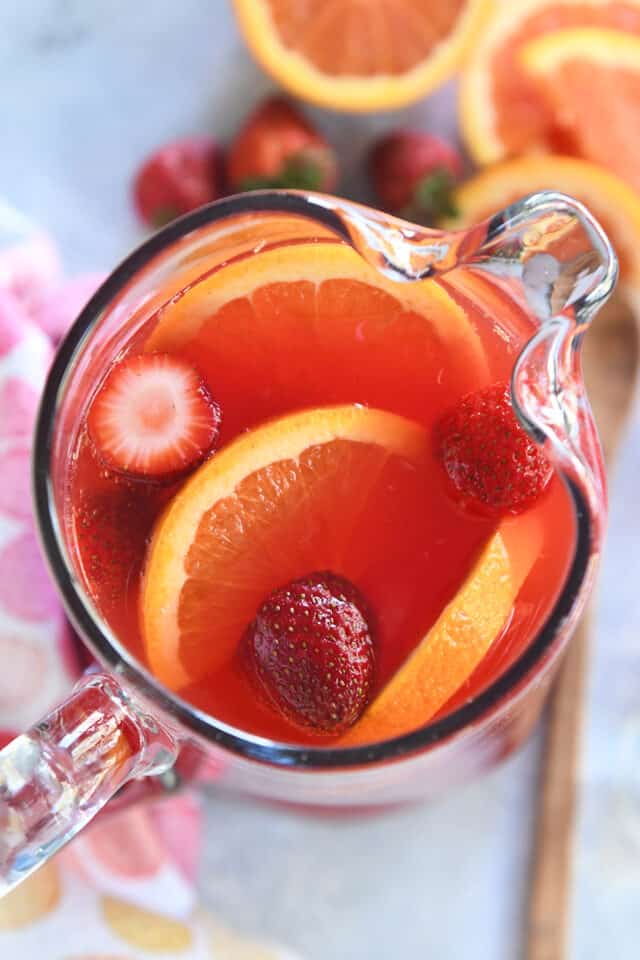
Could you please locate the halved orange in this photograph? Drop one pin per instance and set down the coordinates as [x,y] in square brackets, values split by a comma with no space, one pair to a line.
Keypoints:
[615,204]
[589,79]
[502,111]
[459,639]
[313,323]
[349,489]
[351,55]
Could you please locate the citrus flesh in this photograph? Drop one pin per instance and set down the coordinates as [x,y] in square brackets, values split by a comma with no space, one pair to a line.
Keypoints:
[353,56]
[459,639]
[502,111]
[589,79]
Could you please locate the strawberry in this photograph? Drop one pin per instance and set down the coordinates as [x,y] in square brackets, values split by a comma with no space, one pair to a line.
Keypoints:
[278,147]
[312,652]
[490,460]
[112,527]
[153,418]
[414,173]
[177,178]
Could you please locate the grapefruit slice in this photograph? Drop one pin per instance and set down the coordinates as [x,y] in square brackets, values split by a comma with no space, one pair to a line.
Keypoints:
[353,56]
[589,79]
[459,639]
[349,489]
[610,199]
[502,111]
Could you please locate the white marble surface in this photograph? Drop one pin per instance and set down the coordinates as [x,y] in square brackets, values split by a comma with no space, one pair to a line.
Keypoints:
[87,87]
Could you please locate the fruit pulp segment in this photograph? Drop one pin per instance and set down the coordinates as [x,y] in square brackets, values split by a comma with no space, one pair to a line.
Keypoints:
[401,34]
[607,62]
[521,115]
[330,333]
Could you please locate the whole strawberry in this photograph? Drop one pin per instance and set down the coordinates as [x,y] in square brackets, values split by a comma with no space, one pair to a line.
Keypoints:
[312,651]
[414,175]
[177,178]
[278,148]
[489,458]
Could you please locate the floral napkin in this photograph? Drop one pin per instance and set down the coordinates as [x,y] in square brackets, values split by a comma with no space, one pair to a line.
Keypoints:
[125,888]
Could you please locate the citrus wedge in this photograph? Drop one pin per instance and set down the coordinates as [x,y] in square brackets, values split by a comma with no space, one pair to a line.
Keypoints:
[306,324]
[613,202]
[589,79]
[350,55]
[459,639]
[502,109]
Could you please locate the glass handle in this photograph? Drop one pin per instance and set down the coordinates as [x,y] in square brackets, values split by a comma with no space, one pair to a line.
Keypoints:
[58,775]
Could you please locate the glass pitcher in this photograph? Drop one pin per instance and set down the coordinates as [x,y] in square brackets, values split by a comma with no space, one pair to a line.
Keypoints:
[547,255]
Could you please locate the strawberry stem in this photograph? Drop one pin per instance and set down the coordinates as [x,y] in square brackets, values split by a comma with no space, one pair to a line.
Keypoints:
[433,198]
[297,173]
[164,215]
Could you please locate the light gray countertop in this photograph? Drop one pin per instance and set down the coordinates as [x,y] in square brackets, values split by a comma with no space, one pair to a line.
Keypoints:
[87,88]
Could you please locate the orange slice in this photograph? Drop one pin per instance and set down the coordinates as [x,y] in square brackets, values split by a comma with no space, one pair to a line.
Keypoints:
[610,199]
[502,109]
[258,515]
[590,80]
[459,639]
[308,267]
[307,324]
[351,55]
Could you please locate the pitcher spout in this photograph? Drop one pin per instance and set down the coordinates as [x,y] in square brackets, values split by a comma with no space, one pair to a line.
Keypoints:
[567,271]
[558,251]
[550,239]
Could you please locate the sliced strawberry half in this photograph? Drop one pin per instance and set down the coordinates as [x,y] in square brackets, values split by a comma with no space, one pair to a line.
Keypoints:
[153,418]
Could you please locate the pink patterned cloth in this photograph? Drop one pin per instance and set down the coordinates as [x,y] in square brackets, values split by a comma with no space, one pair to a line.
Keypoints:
[131,877]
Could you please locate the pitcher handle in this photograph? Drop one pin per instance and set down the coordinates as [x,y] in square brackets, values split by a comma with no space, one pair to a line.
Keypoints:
[57,776]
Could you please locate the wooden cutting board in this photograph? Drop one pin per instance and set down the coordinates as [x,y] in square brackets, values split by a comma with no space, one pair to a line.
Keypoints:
[611,360]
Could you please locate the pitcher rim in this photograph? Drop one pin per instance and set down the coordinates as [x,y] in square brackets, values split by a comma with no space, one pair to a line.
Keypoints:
[117,658]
